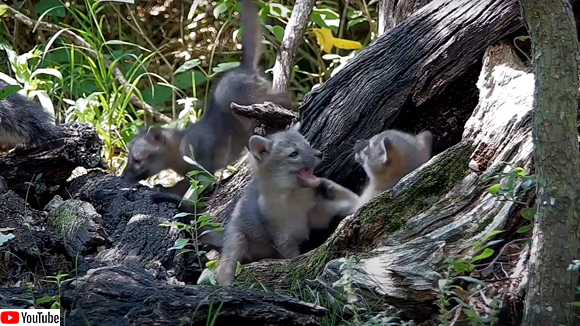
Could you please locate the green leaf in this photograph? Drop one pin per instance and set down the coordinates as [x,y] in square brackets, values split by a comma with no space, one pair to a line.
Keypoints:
[212,264]
[45,299]
[225,66]
[3,9]
[577,304]
[491,234]
[494,189]
[494,242]
[460,266]
[442,282]
[528,213]
[158,95]
[52,8]
[471,280]
[277,31]
[527,184]
[47,71]
[520,171]
[524,229]
[188,65]
[485,254]
[220,9]
[179,244]
[205,218]
[9,90]
[182,214]
[355,22]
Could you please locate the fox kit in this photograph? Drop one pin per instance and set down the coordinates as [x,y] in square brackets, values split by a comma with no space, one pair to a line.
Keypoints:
[282,203]
[25,122]
[220,136]
[389,156]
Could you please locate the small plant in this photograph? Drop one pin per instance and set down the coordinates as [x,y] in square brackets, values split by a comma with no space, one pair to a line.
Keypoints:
[199,181]
[59,280]
[506,190]
[453,272]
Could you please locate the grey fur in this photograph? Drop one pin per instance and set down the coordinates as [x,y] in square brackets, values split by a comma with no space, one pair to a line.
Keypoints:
[25,122]
[280,208]
[389,156]
[220,136]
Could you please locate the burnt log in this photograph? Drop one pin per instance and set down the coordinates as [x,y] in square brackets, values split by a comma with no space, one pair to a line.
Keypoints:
[131,296]
[38,173]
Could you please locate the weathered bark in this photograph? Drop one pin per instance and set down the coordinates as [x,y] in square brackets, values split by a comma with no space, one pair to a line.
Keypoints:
[270,115]
[135,278]
[413,63]
[131,296]
[556,241]
[420,75]
[436,211]
[38,174]
[393,12]
[293,36]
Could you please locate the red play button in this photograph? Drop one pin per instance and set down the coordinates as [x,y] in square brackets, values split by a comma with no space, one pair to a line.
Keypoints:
[9,317]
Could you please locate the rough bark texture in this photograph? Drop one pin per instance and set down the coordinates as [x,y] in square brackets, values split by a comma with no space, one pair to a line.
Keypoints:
[393,12]
[413,63]
[293,36]
[421,75]
[38,174]
[270,115]
[556,237]
[436,211]
[133,279]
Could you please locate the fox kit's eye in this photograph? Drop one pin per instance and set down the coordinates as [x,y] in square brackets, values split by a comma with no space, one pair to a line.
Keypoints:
[294,154]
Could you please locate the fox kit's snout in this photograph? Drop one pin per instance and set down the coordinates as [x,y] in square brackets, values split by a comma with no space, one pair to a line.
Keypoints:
[152,151]
[389,156]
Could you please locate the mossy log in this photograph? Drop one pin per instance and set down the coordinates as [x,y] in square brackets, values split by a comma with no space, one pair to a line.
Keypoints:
[395,243]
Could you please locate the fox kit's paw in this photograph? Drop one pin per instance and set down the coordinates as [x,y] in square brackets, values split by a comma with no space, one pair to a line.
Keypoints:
[326,189]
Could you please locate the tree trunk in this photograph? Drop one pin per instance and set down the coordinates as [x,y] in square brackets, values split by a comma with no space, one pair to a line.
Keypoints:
[393,12]
[556,239]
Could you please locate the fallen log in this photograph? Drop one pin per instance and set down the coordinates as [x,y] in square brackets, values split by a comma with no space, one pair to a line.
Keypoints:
[131,296]
[38,174]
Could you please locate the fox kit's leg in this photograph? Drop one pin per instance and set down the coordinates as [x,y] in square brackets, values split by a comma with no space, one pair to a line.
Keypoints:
[234,248]
[332,200]
[286,247]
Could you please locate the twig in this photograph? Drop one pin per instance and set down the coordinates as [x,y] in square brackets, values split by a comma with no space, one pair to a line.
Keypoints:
[79,41]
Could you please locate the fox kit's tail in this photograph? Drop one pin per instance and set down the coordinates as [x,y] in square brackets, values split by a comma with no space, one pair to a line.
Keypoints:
[252,35]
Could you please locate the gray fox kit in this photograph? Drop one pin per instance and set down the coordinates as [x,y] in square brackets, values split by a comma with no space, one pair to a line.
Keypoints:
[389,156]
[220,136]
[282,204]
[25,122]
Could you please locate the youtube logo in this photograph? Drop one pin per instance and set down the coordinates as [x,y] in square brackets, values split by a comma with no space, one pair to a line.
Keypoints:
[9,317]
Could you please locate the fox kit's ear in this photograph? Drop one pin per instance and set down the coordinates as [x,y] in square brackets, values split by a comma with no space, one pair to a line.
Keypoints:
[295,126]
[156,135]
[385,146]
[425,139]
[259,146]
